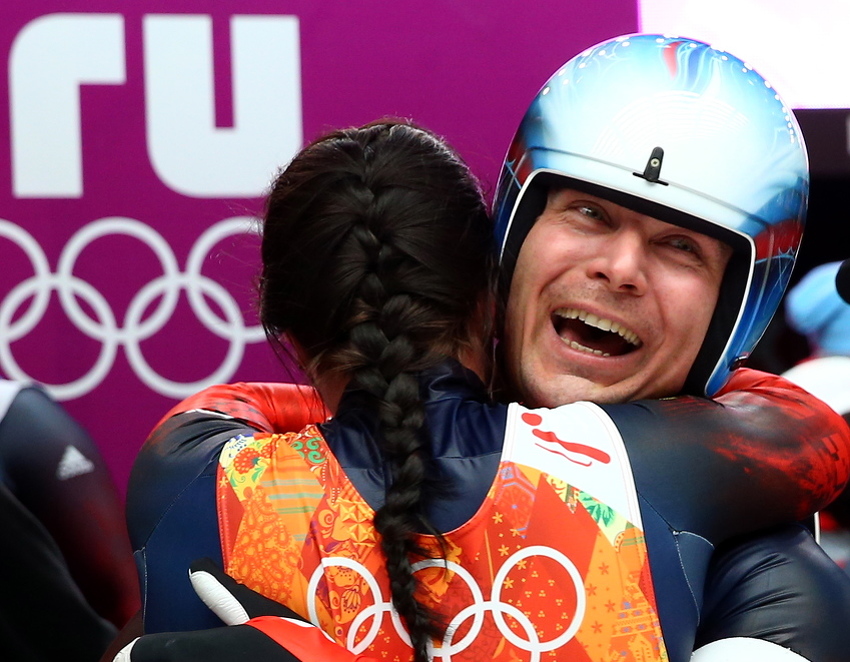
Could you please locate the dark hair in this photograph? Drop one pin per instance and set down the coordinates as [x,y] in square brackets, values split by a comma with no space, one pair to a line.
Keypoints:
[377,249]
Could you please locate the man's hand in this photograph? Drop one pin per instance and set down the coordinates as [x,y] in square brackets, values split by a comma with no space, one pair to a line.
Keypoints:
[258,629]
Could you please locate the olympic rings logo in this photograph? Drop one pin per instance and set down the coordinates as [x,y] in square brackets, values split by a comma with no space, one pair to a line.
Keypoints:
[136,326]
[475,611]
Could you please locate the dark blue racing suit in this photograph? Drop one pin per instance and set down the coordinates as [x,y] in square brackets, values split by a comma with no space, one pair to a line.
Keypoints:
[705,473]
[66,572]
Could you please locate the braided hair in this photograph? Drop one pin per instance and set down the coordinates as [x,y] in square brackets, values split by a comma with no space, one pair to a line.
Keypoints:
[377,249]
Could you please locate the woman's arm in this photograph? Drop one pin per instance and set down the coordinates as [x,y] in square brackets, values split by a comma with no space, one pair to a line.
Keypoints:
[171,502]
[265,406]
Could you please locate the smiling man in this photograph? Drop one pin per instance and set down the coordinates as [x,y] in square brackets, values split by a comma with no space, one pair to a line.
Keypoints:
[649,212]
[602,303]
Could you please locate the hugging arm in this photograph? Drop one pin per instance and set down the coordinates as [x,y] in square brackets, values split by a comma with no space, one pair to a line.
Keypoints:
[764,452]
[171,506]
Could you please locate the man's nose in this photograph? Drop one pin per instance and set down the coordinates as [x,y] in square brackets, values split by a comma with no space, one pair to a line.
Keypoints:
[621,263]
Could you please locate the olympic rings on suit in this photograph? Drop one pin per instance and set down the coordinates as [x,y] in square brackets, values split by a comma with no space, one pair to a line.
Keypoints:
[73,291]
[479,606]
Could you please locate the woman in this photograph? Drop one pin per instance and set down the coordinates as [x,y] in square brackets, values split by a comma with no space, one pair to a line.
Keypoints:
[494,531]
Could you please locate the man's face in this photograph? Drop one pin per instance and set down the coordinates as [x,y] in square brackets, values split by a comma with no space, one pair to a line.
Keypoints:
[606,304]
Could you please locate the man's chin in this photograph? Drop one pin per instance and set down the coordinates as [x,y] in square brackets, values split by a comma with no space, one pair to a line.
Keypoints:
[565,389]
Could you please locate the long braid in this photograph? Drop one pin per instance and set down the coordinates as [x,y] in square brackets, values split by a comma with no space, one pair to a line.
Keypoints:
[377,286]
[388,376]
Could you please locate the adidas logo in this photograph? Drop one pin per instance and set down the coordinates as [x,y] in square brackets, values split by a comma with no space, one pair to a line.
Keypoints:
[73,463]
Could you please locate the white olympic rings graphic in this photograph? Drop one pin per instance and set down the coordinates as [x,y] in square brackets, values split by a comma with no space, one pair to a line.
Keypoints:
[134,329]
[476,611]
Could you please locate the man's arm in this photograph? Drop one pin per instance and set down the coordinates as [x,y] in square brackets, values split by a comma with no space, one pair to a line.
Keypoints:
[763,453]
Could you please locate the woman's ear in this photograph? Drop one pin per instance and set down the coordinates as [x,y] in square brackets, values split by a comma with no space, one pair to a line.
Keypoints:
[475,351]
[301,356]
[329,383]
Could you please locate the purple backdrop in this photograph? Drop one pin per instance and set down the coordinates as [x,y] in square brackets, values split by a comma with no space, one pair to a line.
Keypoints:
[139,136]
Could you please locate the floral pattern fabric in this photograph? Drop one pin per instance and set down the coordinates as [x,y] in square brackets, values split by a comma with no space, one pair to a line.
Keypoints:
[543,571]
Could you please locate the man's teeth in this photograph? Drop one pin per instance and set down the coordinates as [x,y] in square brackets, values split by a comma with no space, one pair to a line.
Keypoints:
[600,323]
[582,348]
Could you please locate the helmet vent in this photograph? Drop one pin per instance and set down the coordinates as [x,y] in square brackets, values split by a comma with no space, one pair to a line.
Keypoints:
[652,171]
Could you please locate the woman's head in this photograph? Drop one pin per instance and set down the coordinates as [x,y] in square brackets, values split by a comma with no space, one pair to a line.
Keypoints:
[377,262]
[378,226]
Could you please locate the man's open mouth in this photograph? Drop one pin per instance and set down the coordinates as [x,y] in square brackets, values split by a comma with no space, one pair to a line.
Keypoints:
[595,335]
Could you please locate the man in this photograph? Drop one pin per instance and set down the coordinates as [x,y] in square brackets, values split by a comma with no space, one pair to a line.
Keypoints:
[581,258]
[622,313]
[649,174]
[601,303]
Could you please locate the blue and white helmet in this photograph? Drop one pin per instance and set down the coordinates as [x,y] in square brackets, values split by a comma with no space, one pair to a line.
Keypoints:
[683,132]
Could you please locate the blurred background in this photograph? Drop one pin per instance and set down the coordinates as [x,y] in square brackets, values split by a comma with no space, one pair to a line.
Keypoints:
[138,138]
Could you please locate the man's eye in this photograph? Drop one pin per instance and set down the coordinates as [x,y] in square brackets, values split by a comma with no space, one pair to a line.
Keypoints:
[592,212]
[684,244]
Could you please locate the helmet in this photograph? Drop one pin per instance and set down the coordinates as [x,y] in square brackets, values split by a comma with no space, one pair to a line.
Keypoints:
[678,130]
